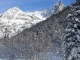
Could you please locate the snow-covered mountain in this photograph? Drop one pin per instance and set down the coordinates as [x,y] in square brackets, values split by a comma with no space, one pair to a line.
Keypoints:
[14,20]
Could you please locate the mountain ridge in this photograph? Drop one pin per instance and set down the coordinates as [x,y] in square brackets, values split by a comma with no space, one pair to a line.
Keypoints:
[15,20]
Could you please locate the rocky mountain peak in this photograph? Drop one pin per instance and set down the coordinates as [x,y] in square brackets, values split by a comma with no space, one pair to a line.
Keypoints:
[54,9]
[11,12]
[60,2]
[61,6]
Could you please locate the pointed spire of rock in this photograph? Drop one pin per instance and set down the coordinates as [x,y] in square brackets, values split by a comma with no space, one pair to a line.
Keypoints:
[60,1]
[61,6]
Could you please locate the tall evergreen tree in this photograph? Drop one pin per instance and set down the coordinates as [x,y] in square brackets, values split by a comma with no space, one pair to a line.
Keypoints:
[72,36]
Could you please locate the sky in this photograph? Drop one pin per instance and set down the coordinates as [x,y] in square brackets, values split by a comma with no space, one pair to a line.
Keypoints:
[30,5]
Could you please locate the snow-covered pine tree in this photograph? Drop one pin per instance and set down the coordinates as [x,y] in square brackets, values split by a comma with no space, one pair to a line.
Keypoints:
[72,36]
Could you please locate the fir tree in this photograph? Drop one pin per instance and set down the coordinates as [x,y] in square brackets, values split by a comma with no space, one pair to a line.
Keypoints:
[72,36]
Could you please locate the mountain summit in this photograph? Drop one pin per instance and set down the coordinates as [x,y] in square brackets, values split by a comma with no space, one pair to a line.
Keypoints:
[60,7]
[53,10]
[10,13]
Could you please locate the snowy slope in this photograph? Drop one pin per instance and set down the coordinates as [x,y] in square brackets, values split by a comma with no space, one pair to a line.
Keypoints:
[14,20]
